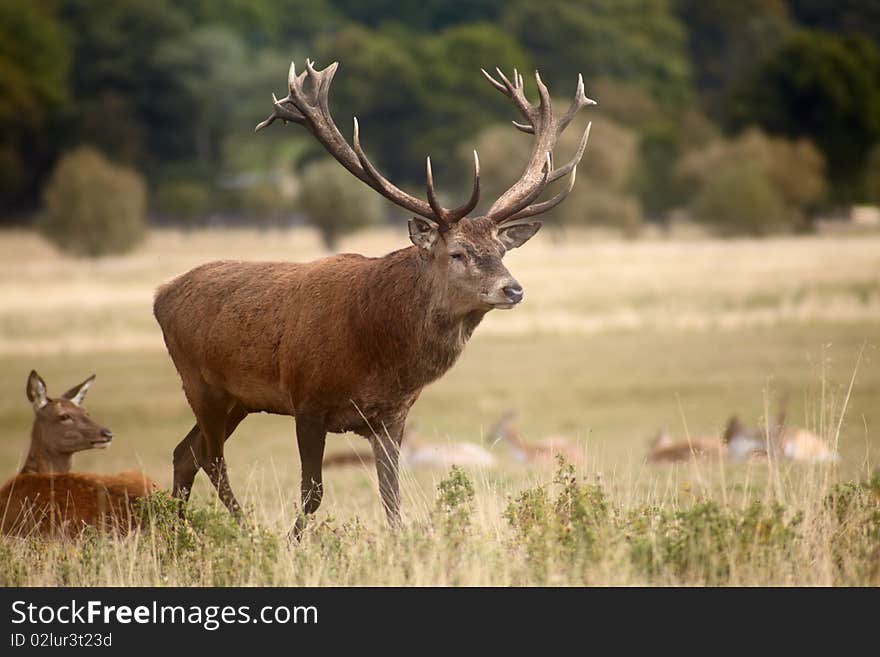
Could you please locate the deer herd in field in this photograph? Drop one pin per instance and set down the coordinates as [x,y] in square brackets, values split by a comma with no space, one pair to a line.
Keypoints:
[342,344]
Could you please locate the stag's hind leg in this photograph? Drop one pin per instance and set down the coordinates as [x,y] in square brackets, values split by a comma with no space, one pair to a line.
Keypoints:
[190,452]
[217,416]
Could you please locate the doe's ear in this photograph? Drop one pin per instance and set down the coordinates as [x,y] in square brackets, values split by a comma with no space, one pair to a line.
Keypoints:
[36,391]
[77,393]
[423,232]
[517,233]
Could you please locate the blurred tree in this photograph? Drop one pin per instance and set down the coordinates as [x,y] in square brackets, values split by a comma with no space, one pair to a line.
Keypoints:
[126,102]
[418,95]
[336,203]
[844,16]
[187,202]
[263,204]
[872,176]
[425,15]
[661,144]
[262,22]
[33,89]
[824,87]
[637,41]
[209,66]
[727,40]
[93,207]
[739,200]
[794,171]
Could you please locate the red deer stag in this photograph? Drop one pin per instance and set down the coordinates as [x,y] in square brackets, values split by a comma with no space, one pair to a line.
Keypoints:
[347,343]
[45,497]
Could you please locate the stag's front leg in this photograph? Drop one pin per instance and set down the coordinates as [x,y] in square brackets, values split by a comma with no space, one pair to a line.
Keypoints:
[310,436]
[386,450]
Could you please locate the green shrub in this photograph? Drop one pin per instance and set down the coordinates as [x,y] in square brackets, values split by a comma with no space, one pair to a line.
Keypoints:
[754,184]
[740,200]
[209,536]
[872,176]
[263,203]
[337,203]
[186,202]
[455,502]
[93,207]
[855,537]
[569,528]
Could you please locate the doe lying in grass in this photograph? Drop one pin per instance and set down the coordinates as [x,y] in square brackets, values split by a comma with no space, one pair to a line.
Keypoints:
[543,452]
[45,497]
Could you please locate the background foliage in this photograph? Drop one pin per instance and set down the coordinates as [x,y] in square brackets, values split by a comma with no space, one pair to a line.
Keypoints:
[173,90]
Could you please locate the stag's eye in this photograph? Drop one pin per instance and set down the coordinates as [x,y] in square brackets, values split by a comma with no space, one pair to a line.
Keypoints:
[457,256]
[64,417]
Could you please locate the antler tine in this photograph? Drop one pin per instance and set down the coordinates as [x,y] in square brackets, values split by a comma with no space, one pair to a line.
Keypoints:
[464,210]
[500,87]
[540,208]
[449,217]
[579,101]
[310,107]
[281,112]
[556,174]
[518,200]
[433,201]
[381,184]
[514,91]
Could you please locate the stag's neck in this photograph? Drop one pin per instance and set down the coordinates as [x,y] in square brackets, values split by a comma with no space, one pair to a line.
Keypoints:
[41,460]
[422,333]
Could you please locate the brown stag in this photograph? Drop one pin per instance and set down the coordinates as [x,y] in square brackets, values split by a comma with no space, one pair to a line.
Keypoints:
[45,497]
[347,343]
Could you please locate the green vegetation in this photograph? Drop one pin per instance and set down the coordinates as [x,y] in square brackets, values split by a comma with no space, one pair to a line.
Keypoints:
[93,207]
[336,203]
[576,534]
[174,89]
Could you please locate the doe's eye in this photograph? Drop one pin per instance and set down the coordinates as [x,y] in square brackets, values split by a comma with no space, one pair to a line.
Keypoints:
[457,256]
[63,417]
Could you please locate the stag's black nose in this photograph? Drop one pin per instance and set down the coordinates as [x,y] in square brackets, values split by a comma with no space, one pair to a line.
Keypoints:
[106,433]
[513,292]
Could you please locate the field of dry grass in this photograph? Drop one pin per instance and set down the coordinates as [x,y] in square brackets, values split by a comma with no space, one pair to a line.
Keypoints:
[615,340]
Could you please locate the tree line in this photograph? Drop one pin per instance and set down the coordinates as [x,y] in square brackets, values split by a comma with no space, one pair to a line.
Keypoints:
[780,99]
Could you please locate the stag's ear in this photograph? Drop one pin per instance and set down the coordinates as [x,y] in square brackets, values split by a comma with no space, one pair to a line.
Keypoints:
[77,393]
[517,233]
[423,232]
[36,391]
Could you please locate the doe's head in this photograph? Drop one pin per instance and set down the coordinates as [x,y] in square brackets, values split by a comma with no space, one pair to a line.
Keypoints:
[62,425]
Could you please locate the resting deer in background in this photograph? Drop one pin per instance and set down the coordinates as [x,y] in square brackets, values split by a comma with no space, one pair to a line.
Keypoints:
[347,343]
[737,444]
[795,444]
[415,453]
[45,497]
[543,452]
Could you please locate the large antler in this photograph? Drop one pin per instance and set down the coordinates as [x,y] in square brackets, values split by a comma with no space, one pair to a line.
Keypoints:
[518,202]
[309,107]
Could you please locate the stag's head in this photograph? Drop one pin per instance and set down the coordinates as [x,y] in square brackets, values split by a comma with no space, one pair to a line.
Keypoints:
[465,252]
[61,425]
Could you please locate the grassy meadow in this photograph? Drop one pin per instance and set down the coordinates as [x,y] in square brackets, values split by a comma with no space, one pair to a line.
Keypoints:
[613,341]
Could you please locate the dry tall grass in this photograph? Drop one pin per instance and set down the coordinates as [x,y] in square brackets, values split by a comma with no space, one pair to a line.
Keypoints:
[614,341]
